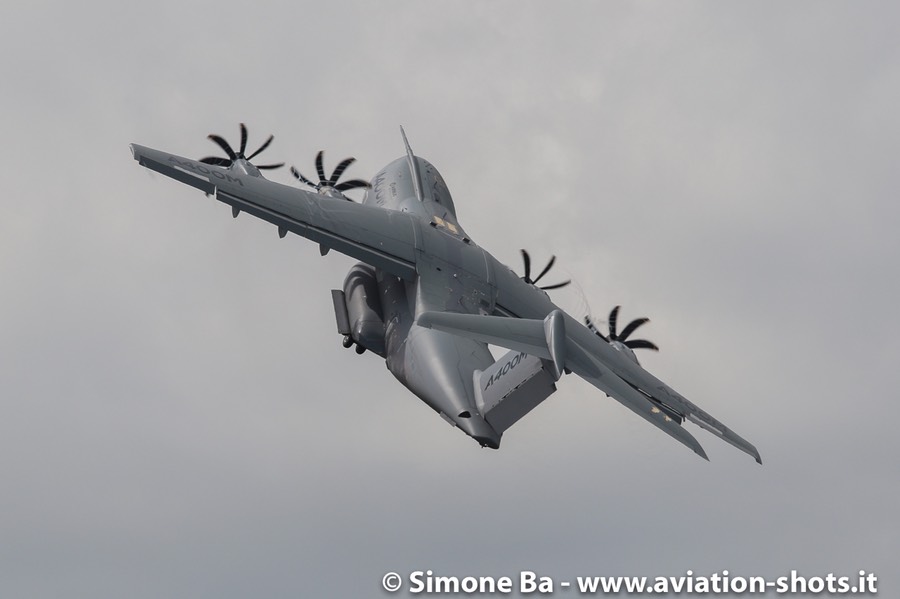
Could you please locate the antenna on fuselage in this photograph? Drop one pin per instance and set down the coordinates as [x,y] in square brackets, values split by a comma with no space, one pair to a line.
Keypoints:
[413,167]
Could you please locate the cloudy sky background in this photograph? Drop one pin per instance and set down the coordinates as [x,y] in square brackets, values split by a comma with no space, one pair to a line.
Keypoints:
[180,420]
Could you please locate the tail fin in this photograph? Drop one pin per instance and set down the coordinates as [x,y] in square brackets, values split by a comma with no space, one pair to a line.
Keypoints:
[413,167]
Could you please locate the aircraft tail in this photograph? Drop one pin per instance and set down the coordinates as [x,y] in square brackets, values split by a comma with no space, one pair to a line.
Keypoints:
[511,387]
[566,345]
[413,167]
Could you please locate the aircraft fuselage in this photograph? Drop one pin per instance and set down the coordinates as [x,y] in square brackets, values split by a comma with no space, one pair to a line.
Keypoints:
[453,275]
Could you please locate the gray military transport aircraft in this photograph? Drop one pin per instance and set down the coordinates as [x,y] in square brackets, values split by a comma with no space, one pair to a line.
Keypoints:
[429,300]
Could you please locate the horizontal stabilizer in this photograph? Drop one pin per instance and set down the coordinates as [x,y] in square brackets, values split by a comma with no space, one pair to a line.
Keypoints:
[512,333]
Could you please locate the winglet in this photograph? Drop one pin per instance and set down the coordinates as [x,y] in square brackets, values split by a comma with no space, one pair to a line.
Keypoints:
[413,167]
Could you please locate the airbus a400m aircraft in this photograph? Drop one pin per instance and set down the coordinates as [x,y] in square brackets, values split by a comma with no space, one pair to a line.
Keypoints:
[426,298]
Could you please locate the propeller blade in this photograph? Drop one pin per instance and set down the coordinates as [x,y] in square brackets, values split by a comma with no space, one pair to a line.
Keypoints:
[262,147]
[319,168]
[612,322]
[634,324]
[352,184]
[527,259]
[226,147]
[300,176]
[216,160]
[593,329]
[264,167]
[243,140]
[556,286]
[641,344]
[546,268]
[340,170]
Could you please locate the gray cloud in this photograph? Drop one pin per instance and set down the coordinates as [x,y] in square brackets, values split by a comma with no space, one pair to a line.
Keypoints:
[180,420]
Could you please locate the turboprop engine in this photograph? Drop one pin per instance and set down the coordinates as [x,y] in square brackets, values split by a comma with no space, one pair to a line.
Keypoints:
[620,341]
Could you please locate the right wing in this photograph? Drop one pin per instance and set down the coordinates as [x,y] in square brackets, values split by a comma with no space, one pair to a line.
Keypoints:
[566,343]
[385,239]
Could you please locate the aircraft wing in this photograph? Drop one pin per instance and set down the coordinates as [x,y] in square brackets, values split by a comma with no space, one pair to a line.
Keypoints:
[569,345]
[383,238]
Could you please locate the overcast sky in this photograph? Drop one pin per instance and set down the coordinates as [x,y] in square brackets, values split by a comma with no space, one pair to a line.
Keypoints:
[179,419]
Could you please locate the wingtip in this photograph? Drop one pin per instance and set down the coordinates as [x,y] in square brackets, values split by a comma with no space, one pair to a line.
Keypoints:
[701,452]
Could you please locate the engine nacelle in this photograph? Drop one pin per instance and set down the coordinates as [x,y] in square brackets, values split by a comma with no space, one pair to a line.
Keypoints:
[629,353]
[362,309]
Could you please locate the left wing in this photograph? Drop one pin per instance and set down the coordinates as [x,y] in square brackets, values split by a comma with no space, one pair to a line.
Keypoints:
[383,238]
[562,340]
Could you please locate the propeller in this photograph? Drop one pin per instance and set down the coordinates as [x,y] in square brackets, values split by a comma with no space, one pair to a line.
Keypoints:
[239,155]
[527,278]
[626,332]
[331,182]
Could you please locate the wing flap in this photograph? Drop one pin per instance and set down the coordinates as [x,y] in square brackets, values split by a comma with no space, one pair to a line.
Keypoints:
[647,384]
[386,261]
[634,375]
[727,435]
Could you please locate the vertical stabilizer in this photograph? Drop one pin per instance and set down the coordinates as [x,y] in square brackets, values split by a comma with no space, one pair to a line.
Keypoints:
[413,167]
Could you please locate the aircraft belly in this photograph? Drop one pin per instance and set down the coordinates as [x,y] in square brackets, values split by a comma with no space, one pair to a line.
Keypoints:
[437,367]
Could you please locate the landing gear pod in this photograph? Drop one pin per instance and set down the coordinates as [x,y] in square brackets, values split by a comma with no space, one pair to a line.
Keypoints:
[358,310]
